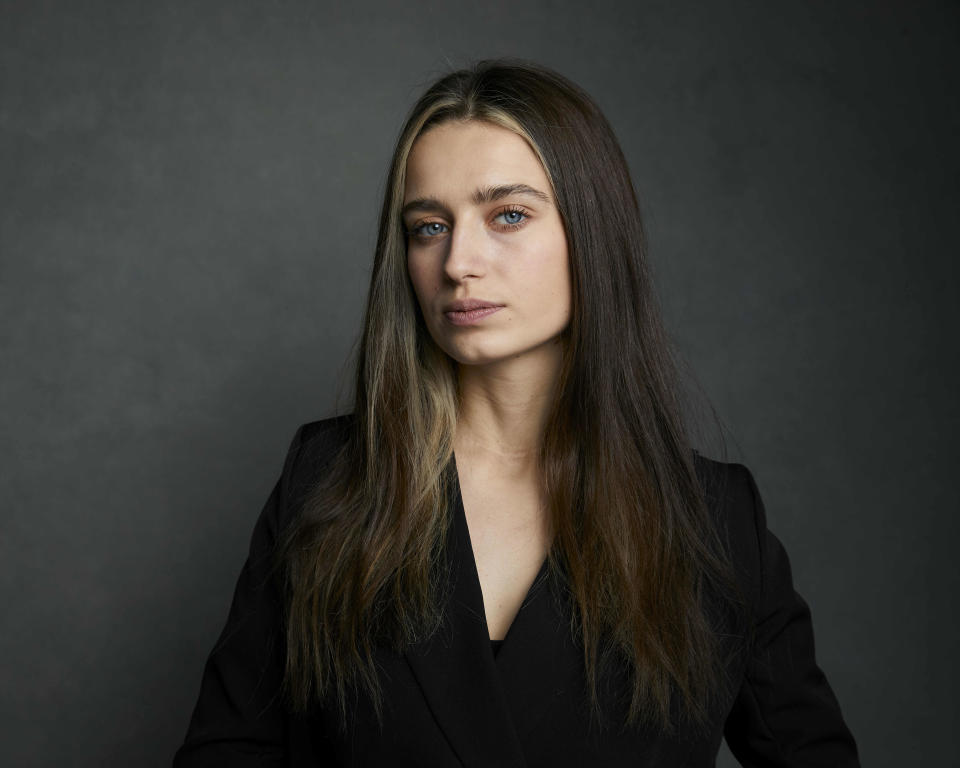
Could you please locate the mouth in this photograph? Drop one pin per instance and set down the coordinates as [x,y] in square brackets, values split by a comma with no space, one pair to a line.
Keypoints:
[471,316]
[467,305]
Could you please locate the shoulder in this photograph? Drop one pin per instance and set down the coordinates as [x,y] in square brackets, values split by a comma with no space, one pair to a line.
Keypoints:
[316,440]
[728,487]
[313,446]
[736,512]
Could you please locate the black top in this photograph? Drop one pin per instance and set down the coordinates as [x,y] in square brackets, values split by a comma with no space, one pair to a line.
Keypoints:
[495,644]
[448,702]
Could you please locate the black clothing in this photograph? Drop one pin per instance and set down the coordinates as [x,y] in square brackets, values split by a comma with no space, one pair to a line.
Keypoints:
[451,701]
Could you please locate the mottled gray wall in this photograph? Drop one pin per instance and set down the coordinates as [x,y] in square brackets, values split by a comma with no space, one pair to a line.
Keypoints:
[188,200]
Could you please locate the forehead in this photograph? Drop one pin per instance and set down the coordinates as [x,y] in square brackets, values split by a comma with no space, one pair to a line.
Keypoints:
[453,158]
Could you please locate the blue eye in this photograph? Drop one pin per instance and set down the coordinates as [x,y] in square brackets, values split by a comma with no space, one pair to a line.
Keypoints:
[513,218]
[430,229]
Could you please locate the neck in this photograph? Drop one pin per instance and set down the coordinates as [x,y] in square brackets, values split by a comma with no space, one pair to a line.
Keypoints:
[504,407]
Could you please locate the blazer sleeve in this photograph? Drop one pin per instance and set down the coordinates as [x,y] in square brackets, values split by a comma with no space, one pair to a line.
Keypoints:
[785,714]
[238,719]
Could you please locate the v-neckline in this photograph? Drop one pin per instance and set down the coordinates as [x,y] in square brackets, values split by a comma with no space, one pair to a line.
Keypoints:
[460,517]
[486,704]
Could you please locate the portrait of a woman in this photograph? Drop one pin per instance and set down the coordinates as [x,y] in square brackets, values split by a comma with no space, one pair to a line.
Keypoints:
[510,553]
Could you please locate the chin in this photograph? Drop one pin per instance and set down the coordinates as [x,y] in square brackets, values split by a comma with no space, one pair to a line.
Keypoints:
[474,359]
[484,355]
[474,354]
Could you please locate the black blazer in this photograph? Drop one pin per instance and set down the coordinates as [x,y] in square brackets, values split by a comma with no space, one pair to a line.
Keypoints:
[450,702]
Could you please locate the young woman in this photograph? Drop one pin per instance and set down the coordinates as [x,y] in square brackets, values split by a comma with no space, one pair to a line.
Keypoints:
[509,554]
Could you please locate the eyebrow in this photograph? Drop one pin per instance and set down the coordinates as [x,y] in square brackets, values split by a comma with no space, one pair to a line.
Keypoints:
[480,196]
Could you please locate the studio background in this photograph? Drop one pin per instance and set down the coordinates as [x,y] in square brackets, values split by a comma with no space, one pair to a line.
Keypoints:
[189,195]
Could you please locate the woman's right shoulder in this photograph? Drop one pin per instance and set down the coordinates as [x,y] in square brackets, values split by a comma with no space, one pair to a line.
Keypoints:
[317,440]
[311,450]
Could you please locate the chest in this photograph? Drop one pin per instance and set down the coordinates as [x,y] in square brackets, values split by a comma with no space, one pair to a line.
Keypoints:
[509,536]
[450,702]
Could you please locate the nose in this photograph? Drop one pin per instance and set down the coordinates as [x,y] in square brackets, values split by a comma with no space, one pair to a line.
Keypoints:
[465,255]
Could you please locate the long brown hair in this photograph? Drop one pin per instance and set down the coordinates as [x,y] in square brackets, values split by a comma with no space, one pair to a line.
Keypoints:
[633,541]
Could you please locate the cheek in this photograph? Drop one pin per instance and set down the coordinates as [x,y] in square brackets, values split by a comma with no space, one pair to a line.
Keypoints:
[547,272]
[419,276]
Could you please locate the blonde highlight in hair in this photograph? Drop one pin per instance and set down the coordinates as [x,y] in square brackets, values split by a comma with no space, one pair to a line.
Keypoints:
[633,546]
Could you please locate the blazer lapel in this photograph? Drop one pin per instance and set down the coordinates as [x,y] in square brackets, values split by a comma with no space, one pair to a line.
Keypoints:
[455,666]
[539,664]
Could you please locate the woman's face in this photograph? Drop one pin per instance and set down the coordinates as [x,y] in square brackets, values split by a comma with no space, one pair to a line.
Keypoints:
[483,226]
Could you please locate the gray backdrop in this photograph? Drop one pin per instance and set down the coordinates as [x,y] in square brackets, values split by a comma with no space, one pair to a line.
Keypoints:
[188,202]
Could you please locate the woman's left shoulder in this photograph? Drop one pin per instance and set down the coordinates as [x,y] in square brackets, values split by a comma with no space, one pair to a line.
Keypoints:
[785,712]
[735,509]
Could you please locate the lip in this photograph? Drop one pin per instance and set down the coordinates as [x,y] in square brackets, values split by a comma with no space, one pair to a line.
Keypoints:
[471,316]
[466,305]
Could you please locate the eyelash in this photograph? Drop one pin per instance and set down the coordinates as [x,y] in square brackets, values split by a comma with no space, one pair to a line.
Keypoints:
[414,231]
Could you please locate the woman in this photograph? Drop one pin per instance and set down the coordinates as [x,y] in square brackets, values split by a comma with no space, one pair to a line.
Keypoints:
[515,473]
